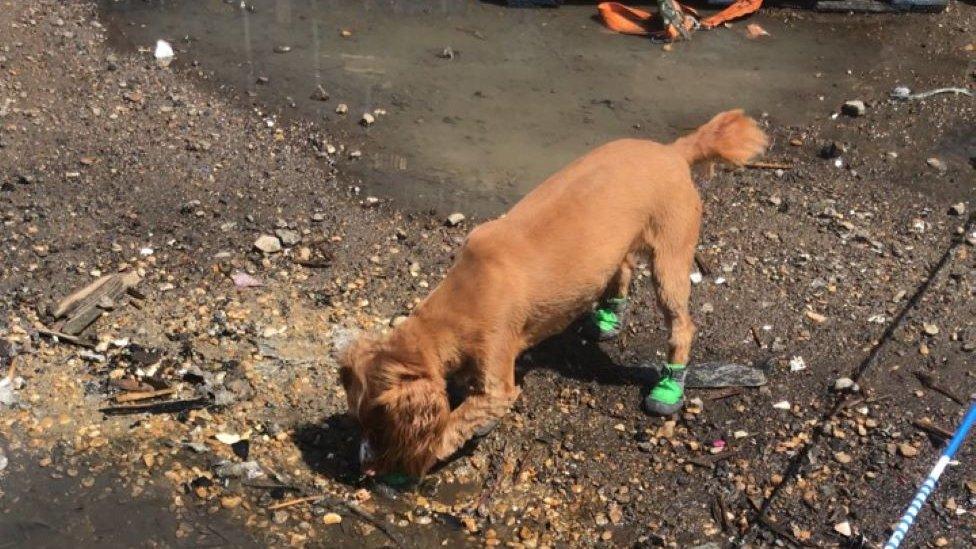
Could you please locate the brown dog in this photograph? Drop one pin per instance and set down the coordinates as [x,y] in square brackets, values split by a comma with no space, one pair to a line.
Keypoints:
[524,277]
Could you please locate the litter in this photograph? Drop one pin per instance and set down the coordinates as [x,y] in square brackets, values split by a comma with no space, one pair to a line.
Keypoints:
[902,93]
[164,53]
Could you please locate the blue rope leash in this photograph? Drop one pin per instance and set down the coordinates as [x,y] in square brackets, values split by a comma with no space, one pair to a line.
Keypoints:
[929,485]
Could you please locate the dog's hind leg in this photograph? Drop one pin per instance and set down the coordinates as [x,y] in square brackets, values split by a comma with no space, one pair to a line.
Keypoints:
[673,255]
[482,409]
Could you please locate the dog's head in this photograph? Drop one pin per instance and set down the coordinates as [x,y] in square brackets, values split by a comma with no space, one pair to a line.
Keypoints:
[401,407]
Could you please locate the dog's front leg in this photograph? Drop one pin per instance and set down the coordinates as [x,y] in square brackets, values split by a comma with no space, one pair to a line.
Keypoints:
[480,411]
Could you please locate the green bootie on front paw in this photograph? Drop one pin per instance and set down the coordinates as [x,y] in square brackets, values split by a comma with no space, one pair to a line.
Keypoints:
[606,322]
[668,396]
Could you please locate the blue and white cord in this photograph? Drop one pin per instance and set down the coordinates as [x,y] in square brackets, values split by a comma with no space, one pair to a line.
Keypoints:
[929,485]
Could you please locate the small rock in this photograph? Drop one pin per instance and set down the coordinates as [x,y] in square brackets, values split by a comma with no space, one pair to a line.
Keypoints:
[797,364]
[937,164]
[855,107]
[907,450]
[455,219]
[288,237]
[342,108]
[320,94]
[843,458]
[446,53]
[843,528]
[782,405]
[282,49]
[230,502]
[845,384]
[958,209]
[331,518]
[367,119]
[816,317]
[834,149]
[268,244]
[930,329]
[696,277]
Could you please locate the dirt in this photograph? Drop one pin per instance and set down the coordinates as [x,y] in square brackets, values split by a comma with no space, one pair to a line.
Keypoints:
[110,163]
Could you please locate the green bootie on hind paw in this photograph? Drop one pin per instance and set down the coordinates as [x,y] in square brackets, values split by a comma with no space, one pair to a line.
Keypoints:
[668,395]
[606,322]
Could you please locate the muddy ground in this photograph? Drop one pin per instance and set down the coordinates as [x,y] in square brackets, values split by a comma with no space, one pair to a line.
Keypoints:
[863,265]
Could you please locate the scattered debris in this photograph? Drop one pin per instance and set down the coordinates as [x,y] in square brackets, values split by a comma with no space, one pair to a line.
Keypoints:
[268,244]
[903,93]
[164,53]
[754,31]
[854,107]
[455,219]
[82,308]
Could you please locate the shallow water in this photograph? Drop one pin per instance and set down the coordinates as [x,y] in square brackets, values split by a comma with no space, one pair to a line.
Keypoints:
[526,92]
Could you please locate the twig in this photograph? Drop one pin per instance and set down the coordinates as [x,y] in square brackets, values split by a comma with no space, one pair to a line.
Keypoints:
[932,429]
[756,337]
[12,370]
[144,395]
[708,462]
[725,393]
[167,406]
[768,165]
[703,265]
[294,501]
[928,381]
[65,337]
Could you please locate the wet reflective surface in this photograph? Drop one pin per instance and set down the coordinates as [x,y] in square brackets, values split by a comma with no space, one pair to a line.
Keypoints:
[482,101]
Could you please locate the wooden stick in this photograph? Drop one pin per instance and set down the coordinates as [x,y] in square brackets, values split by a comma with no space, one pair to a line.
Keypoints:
[929,381]
[756,337]
[144,395]
[724,393]
[768,165]
[12,371]
[294,501]
[65,337]
[932,429]
[703,266]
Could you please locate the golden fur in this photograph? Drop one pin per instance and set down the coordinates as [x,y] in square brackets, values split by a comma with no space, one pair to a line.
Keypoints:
[525,277]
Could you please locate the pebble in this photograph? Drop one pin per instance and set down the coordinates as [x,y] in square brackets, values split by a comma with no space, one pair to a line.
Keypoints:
[843,528]
[268,244]
[230,502]
[797,364]
[455,219]
[782,405]
[282,49]
[696,277]
[855,107]
[937,164]
[288,237]
[907,450]
[930,328]
[331,518]
[958,209]
[845,384]
[367,119]
[342,108]
[446,53]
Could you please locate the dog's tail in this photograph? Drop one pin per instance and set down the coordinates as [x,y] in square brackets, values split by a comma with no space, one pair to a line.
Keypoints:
[730,136]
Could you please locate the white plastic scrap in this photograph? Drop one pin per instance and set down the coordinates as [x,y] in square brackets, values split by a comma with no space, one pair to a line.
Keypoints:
[164,52]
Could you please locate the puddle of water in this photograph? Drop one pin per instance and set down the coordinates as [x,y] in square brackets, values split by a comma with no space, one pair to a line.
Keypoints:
[526,91]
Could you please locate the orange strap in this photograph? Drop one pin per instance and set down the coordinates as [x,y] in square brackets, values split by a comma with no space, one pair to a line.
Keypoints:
[626,20]
[736,10]
[620,18]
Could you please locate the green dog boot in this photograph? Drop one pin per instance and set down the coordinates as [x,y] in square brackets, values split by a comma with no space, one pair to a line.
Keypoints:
[605,322]
[668,396]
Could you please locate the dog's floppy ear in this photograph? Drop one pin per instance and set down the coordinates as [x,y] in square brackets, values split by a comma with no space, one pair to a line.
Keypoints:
[415,413]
